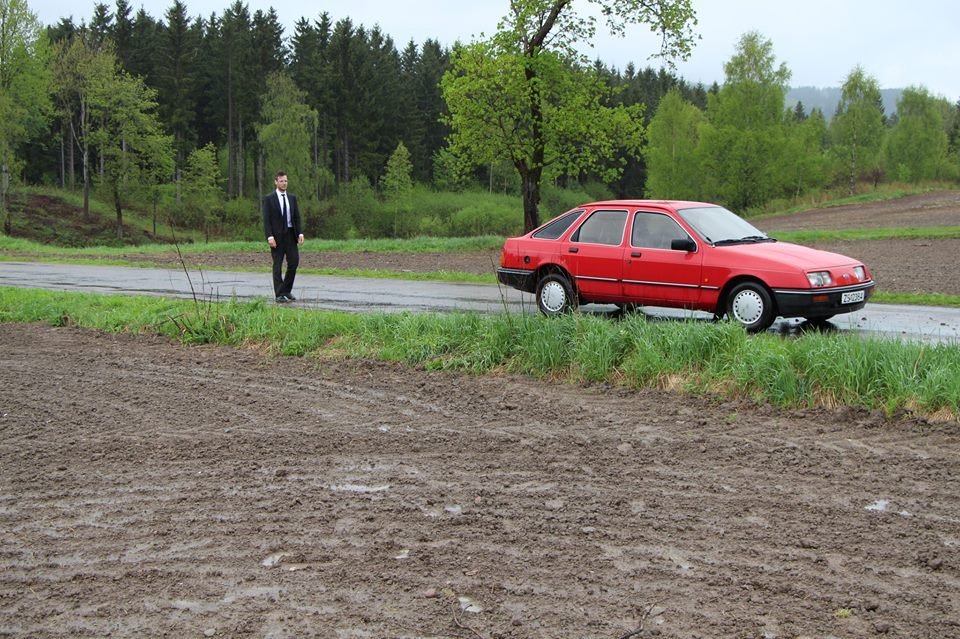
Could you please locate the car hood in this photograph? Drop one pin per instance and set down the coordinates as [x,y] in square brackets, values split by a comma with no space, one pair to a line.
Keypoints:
[785,253]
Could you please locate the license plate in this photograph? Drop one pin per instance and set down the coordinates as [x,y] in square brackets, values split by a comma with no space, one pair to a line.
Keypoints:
[852,297]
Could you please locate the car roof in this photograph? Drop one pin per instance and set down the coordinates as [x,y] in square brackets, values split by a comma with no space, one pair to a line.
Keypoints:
[676,204]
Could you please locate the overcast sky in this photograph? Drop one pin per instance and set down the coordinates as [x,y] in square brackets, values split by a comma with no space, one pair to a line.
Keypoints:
[821,41]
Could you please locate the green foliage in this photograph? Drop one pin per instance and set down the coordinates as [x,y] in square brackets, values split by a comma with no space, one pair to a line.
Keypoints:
[671,152]
[857,130]
[358,201]
[24,82]
[126,131]
[917,144]
[397,187]
[692,356]
[557,200]
[286,131]
[744,142]
[804,164]
[202,195]
[525,93]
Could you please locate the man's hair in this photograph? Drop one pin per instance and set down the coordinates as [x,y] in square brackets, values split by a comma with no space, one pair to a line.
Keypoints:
[279,175]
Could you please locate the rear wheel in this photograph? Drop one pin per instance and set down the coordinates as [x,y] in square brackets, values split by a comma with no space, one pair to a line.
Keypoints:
[750,305]
[555,295]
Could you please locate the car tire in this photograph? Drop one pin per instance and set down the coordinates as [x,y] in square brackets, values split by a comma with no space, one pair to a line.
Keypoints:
[555,295]
[750,305]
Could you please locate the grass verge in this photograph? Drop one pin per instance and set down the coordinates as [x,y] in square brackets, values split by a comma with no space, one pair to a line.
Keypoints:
[703,358]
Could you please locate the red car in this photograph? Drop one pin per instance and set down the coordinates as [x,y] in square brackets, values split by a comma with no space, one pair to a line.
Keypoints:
[689,255]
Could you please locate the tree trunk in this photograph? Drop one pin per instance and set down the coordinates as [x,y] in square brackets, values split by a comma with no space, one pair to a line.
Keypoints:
[530,180]
[532,173]
[119,208]
[63,160]
[260,172]
[71,157]
[241,158]
[346,157]
[231,156]
[85,158]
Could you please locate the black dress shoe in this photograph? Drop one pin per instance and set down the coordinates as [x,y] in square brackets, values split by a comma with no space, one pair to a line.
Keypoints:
[281,299]
[290,297]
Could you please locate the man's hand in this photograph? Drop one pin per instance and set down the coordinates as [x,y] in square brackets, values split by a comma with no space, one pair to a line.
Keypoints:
[300,239]
[272,242]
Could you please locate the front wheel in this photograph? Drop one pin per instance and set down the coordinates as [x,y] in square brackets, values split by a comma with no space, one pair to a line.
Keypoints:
[750,305]
[555,295]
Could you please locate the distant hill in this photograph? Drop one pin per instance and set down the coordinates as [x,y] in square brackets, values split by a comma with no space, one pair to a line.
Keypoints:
[827,99]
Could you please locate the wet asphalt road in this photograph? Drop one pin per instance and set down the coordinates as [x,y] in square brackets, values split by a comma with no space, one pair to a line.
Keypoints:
[930,324]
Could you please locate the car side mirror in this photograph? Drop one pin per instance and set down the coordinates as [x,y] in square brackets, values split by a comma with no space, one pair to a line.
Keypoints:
[685,244]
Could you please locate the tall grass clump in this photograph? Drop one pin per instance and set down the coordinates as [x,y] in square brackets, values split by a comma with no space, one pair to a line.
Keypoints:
[598,347]
[671,354]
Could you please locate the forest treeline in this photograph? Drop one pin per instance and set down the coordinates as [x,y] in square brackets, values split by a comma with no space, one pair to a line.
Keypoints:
[194,114]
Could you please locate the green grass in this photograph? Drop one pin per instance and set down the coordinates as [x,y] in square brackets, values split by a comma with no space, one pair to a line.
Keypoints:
[697,357]
[916,299]
[913,233]
[413,245]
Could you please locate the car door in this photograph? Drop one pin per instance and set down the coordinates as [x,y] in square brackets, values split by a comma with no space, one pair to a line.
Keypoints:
[654,273]
[595,254]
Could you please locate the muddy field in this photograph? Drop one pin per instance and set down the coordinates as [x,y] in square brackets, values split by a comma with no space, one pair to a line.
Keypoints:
[150,489]
[154,490]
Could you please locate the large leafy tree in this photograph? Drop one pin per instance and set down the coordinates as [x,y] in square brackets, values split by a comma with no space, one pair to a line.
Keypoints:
[527,94]
[77,63]
[744,143]
[133,147]
[803,163]
[24,84]
[917,143]
[287,130]
[857,130]
[202,197]
[671,151]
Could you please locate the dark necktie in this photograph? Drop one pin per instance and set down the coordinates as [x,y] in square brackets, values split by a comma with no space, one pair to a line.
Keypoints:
[283,207]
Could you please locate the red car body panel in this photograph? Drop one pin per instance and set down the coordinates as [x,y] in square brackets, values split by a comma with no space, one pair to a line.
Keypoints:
[631,266]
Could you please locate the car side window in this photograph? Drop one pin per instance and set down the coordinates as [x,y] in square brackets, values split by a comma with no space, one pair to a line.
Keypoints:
[655,230]
[602,227]
[557,227]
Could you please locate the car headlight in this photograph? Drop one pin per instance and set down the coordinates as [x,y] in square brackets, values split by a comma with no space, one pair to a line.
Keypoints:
[860,272]
[819,279]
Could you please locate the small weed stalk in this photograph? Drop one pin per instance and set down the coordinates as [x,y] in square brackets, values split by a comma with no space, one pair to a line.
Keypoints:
[204,325]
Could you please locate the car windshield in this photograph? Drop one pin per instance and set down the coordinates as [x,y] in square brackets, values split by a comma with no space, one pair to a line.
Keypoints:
[719,226]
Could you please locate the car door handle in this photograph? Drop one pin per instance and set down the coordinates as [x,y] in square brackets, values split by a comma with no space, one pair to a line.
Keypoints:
[635,254]
[574,249]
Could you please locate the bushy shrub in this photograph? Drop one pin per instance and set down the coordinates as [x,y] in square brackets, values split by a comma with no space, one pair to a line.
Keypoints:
[555,200]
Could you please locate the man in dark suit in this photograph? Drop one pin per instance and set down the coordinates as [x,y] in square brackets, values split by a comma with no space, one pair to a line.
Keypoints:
[284,231]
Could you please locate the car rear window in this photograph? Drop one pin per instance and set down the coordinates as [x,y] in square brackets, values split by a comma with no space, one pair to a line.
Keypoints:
[557,227]
[602,227]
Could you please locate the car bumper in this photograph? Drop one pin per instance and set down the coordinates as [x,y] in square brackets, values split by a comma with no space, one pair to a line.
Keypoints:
[518,278]
[822,302]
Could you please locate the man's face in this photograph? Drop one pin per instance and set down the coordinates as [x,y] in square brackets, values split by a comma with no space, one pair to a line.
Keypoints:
[281,182]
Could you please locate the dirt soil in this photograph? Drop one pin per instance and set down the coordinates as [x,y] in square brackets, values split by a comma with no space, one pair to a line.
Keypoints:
[156,490]
[149,489]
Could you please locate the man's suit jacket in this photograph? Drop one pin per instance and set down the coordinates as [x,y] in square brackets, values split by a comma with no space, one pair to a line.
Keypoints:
[274,224]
